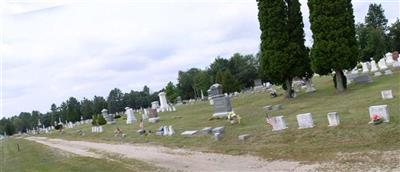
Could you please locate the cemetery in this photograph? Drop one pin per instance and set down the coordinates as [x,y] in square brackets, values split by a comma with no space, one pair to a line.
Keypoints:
[298,94]
[331,120]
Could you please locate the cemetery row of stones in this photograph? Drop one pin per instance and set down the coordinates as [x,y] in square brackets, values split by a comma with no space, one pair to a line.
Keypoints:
[222,109]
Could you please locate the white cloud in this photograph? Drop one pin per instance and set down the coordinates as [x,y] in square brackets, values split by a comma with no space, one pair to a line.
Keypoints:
[55,49]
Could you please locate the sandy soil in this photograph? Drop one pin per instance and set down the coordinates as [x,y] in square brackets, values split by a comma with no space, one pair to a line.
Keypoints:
[175,159]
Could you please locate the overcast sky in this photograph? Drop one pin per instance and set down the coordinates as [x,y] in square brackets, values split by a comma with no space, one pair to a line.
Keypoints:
[52,50]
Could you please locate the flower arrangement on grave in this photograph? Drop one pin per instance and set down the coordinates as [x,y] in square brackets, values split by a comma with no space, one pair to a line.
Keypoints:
[233,118]
[376,119]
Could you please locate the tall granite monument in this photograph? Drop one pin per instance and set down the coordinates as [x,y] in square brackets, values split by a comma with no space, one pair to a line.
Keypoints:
[222,103]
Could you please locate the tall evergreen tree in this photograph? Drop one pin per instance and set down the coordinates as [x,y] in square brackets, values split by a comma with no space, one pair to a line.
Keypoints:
[115,101]
[394,35]
[283,54]
[272,16]
[298,53]
[99,103]
[375,17]
[335,46]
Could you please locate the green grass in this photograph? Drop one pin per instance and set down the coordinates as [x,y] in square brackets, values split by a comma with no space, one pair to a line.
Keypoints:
[320,143]
[35,157]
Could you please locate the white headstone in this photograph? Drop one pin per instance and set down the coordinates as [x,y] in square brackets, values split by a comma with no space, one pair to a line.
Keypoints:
[305,120]
[171,131]
[333,119]
[387,94]
[278,123]
[166,131]
[374,68]
[382,64]
[130,116]
[389,59]
[364,67]
[380,110]
[163,102]
[145,114]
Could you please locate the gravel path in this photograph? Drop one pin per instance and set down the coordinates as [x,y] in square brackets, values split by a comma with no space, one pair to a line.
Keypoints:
[175,159]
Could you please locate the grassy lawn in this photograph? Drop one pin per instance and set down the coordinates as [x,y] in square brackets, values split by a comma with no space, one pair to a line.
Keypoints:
[321,143]
[34,157]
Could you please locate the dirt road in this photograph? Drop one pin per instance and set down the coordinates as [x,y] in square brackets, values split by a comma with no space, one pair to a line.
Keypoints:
[174,159]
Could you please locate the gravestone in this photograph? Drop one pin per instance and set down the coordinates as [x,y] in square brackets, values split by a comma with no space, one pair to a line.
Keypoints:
[258,86]
[388,72]
[378,74]
[178,100]
[395,56]
[364,67]
[278,123]
[108,117]
[155,105]
[145,114]
[333,119]
[221,103]
[310,86]
[171,131]
[387,94]
[382,64]
[206,130]
[244,137]
[189,133]
[305,120]
[217,136]
[153,113]
[276,107]
[218,130]
[374,68]
[154,119]
[268,107]
[389,59]
[130,116]
[163,101]
[362,79]
[380,110]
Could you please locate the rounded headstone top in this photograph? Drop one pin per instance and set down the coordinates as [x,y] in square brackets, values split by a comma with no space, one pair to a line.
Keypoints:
[215,89]
[104,110]
[126,108]
[162,94]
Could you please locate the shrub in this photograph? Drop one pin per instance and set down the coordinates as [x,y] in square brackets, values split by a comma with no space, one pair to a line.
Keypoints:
[94,120]
[101,120]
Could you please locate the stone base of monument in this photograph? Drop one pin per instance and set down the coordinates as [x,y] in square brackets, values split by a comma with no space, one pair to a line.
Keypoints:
[244,137]
[362,79]
[377,74]
[189,133]
[111,122]
[221,115]
[388,72]
[154,120]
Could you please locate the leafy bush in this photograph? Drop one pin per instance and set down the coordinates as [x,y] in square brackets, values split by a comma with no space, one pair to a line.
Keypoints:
[94,120]
[117,116]
[101,120]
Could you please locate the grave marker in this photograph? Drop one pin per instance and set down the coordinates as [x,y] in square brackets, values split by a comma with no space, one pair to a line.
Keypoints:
[333,119]
[305,120]
[387,94]
[380,110]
